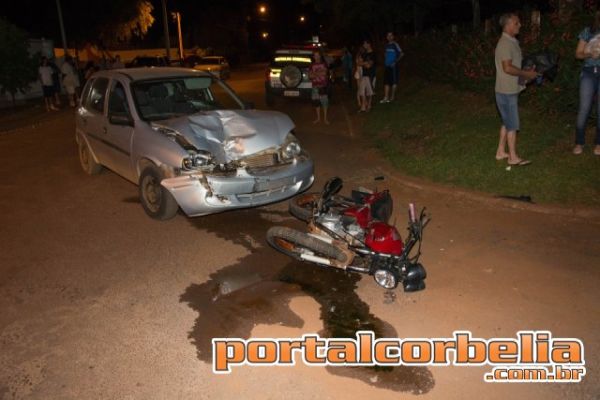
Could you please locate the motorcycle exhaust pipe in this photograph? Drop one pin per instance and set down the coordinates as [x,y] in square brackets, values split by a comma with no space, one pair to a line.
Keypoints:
[315,259]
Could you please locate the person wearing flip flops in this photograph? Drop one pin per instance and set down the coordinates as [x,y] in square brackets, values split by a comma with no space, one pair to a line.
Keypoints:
[508,58]
[588,50]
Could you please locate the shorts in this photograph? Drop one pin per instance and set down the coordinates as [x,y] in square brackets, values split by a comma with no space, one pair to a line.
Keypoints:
[364,86]
[48,90]
[390,75]
[319,97]
[508,107]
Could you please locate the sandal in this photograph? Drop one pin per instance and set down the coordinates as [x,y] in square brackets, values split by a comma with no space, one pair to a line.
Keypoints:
[520,163]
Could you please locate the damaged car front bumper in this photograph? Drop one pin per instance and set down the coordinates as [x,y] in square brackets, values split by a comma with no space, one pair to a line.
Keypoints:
[207,193]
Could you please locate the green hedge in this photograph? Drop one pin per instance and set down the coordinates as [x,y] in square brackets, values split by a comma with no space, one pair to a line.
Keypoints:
[466,60]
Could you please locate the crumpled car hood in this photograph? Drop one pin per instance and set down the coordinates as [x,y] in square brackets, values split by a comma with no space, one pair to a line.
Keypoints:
[233,134]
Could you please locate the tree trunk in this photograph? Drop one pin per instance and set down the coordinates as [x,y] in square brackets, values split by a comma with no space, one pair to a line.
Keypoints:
[476,14]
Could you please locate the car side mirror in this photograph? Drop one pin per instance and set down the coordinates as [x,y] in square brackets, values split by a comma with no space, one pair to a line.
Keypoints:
[122,120]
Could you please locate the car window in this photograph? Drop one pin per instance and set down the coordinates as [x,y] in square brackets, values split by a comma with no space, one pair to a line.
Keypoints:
[97,95]
[158,99]
[117,102]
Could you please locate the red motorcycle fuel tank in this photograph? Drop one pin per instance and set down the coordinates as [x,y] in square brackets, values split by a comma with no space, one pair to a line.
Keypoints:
[383,238]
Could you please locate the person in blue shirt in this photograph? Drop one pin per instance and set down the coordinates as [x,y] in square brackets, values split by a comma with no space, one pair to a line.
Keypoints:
[588,50]
[393,53]
[347,65]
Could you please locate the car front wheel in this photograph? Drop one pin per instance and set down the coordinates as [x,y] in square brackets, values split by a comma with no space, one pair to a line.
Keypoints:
[155,198]
[88,164]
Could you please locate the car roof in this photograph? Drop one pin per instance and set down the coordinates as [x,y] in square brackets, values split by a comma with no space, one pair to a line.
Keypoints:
[136,74]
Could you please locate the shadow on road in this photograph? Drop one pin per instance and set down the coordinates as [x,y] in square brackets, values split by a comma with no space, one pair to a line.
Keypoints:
[258,289]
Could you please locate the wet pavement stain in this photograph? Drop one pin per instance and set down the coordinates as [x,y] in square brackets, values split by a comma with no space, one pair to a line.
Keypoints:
[258,289]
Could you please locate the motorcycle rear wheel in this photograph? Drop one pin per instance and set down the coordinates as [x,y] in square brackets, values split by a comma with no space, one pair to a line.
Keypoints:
[294,243]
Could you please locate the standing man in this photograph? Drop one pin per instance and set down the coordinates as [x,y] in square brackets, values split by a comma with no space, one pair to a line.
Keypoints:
[393,54]
[117,64]
[369,69]
[508,59]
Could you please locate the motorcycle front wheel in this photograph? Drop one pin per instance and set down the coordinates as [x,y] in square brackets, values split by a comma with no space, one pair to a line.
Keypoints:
[302,206]
[295,243]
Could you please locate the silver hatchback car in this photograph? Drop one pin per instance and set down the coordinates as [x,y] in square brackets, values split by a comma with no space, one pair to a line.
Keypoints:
[188,141]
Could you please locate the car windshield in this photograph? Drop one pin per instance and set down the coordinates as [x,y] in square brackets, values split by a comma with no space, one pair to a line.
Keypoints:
[209,60]
[166,98]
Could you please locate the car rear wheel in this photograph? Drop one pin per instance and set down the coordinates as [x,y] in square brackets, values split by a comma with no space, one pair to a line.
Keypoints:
[89,165]
[294,243]
[156,200]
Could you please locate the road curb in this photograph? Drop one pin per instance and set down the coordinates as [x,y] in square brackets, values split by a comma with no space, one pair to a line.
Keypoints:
[588,213]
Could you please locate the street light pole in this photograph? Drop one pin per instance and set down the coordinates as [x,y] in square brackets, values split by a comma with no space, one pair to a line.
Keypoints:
[62,27]
[166,29]
[179,33]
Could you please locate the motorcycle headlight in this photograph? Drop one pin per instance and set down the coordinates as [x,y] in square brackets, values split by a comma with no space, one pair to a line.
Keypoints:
[291,147]
[197,161]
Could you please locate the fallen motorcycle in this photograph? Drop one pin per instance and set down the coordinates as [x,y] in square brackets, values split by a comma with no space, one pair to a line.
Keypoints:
[353,234]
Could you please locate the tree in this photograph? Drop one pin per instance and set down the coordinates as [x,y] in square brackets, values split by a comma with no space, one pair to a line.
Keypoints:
[134,20]
[17,68]
[107,22]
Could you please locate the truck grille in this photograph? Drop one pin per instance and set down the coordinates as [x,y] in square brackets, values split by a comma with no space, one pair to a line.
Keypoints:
[261,160]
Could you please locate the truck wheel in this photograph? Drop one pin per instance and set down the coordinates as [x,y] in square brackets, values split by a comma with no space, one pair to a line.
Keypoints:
[157,201]
[269,99]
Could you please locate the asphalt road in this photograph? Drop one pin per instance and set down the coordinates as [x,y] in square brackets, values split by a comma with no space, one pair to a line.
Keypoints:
[99,301]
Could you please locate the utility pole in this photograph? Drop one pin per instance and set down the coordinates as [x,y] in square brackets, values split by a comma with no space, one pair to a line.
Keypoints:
[62,27]
[166,29]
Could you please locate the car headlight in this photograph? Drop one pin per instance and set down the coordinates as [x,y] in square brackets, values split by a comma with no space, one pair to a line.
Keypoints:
[197,161]
[291,147]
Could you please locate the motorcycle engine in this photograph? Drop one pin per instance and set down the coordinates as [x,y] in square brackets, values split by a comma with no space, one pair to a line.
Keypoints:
[342,226]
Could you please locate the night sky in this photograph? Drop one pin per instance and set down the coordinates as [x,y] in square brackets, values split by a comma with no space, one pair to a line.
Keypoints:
[209,20]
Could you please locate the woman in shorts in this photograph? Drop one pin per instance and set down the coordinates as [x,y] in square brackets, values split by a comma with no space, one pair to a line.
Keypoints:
[319,77]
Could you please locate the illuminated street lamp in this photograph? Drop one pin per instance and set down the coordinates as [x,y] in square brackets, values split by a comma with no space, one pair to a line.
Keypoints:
[302,18]
[262,9]
[264,35]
